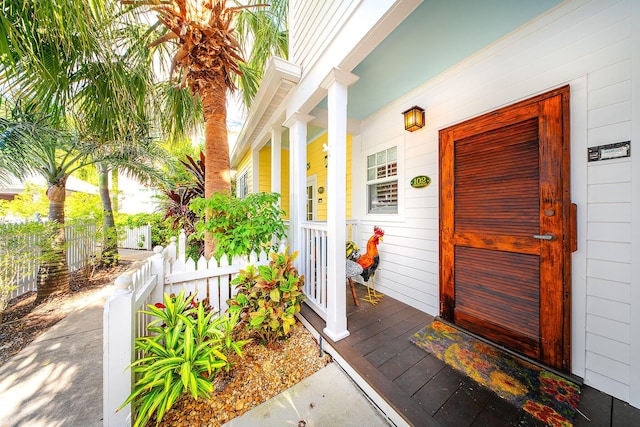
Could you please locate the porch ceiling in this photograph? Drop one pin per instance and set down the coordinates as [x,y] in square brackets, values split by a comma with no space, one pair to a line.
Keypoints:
[435,37]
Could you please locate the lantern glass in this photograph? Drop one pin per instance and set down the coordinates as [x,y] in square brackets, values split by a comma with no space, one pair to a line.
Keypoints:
[413,118]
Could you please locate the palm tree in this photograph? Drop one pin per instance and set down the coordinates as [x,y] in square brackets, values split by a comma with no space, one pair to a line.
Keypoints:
[89,69]
[139,159]
[209,61]
[29,147]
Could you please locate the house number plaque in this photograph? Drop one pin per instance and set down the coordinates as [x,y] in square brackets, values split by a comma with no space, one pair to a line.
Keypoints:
[610,151]
[420,181]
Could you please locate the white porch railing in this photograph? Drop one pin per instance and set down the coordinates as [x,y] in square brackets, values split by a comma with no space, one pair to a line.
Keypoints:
[136,238]
[166,272]
[314,260]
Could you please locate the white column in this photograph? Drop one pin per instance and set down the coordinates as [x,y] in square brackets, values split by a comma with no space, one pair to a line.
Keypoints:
[297,124]
[336,84]
[276,159]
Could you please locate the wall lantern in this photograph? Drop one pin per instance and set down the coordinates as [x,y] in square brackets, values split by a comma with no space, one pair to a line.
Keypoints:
[413,118]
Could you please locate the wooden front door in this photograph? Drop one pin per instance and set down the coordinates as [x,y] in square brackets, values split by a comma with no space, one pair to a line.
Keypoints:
[505,240]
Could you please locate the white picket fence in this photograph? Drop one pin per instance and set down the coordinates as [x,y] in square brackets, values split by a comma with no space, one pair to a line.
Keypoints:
[136,237]
[81,248]
[166,272]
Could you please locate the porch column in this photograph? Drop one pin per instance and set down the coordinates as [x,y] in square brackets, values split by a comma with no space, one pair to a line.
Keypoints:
[297,124]
[276,159]
[336,84]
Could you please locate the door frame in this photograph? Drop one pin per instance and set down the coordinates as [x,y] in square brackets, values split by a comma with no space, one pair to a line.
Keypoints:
[560,357]
[312,181]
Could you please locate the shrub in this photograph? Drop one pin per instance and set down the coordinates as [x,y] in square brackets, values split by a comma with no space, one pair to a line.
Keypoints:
[240,226]
[21,248]
[161,230]
[186,347]
[269,300]
[177,200]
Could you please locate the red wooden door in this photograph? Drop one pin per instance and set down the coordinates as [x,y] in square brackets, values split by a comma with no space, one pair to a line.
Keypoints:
[505,227]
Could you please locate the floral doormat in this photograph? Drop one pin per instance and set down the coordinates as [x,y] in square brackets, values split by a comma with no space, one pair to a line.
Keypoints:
[543,394]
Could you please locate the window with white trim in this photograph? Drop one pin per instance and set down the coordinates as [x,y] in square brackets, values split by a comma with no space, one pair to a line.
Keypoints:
[382,182]
[243,185]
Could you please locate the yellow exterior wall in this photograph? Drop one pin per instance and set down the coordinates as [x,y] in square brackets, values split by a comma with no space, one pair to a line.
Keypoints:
[265,176]
[315,159]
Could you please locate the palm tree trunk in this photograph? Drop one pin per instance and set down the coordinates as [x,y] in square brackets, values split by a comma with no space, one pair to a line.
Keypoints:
[217,163]
[53,275]
[109,254]
[115,189]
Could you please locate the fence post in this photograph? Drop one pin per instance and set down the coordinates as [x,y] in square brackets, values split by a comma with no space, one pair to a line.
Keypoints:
[171,249]
[182,246]
[118,343]
[148,237]
[157,268]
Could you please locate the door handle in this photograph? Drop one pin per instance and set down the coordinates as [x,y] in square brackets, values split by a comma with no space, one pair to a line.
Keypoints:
[547,236]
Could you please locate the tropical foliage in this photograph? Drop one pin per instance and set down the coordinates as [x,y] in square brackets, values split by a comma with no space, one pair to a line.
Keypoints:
[209,61]
[85,67]
[269,298]
[19,250]
[186,346]
[240,226]
[178,199]
[161,231]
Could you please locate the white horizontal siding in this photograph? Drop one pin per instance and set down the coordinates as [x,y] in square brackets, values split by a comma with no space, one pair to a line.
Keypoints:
[608,328]
[610,212]
[608,309]
[610,251]
[581,42]
[609,348]
[609,232]
[616,371]
[609,227]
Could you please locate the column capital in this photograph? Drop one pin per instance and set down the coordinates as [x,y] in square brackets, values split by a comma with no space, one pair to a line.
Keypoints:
[336,75]
[297,117]
[277,128]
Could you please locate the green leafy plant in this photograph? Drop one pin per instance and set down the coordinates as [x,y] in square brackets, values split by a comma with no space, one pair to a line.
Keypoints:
[187,345]
[161,229]
[240,226]
[177,200]
[269,298]
[22,249]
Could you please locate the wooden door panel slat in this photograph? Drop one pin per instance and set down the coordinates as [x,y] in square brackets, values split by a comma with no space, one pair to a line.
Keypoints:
[525,345]
[502,286]
[502,198]
[495,120]
[525,245]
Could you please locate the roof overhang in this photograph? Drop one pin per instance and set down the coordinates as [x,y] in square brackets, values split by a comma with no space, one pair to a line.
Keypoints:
[279,77]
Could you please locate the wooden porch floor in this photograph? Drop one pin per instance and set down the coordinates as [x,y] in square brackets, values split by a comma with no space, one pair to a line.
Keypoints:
[427,392]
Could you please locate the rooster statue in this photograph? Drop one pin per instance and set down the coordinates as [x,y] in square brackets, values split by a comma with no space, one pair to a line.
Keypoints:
[364,266]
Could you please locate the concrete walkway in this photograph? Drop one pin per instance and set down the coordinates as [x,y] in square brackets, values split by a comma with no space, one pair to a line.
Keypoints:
[57,381]
[326,398]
